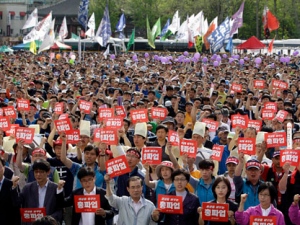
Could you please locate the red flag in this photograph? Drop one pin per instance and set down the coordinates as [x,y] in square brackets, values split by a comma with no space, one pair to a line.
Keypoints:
[270,22]
[270,48]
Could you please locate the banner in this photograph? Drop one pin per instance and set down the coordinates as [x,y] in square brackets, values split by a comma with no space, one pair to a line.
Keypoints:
[270,106]
[106,135]
[58,108]
[236,88]
[267,114]
[86,203]
[259,84]
[85,106]
[152,155]
[218,36]
[281,115]
[117,166]
[83,13]
[63,125]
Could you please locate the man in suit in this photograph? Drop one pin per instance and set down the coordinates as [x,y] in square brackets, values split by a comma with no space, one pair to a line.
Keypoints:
[40,193]
[86,176]
[8,213]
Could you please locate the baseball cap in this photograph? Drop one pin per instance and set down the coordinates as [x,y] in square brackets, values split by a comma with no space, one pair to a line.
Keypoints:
[253,163]
[275,154]
[232,159]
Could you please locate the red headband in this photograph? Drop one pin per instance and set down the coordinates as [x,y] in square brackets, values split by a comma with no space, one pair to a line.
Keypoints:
[132,152]
[39,151]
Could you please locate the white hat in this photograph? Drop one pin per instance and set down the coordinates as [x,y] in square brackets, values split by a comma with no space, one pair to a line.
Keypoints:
[199,129]
[260,137]
[141,129]
[85,127]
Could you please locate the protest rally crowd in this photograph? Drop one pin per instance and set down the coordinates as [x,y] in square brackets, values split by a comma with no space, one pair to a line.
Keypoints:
[145,138]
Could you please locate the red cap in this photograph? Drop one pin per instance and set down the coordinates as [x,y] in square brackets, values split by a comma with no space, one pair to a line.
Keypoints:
[232,159]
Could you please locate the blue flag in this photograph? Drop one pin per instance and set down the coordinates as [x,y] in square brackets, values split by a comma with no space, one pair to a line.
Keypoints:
[104,30]
[165,28]
[229,46]
[218,36]
[83,12]
[121,23]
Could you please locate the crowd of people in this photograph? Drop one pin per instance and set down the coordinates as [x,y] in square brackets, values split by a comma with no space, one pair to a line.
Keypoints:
[172,104]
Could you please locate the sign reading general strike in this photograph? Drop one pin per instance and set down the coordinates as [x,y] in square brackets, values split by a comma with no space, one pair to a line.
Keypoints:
[239,121]
[139,115]
[105,113]
[26,134]
[86,203]
[105,135]
[173,137]
[63,125]
[188,147]
[114,122]
[85,106]
[276,139]
[73,136]
[215,212]
[259,84]
[263,220]
[246,146]
[289,156]
[23,105]
[211,124]
[217,152]
[170,204]
[117,166]
[4,123]
[10,111]
[159,113]
[256,124]
[32,214]
[58,108]
[152,155]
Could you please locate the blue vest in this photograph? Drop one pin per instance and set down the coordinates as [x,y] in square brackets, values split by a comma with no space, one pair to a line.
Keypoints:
[252,191]
[98,175]
[161,190]
[31,177]
[205,194]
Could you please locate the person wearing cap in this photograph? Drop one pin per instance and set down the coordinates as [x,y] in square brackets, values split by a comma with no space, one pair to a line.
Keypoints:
[250,184]
[265,207]
[190,201]
[9,214]
[164,184]
[169,122]
[133,208]
[27,169]
[87,179]
[39,193]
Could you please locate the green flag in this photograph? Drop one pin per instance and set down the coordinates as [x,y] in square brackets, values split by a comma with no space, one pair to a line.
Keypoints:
[149,35]
[156,29]
[131,40]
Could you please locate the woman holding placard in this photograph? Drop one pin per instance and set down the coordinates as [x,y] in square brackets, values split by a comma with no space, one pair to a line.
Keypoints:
[264,211]
[221,190]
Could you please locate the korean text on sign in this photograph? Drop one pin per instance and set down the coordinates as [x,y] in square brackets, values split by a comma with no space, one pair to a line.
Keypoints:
[267,114]
[217,152]
[23,104]
[117,166]
[246,145]
[115,122]
[173,137]
[139,115]
[289,156]
[212,125]
[105,113]
[58,108]
[32,214]
[215,212]
[86,203]
[152,155]
[259,84]
[170,204]
[188,147]
[73,136]
[159,113]
[63,125]
[4,123]
[256,124]
[276,139]
[263,220]
[105,135]
[26,134]
[85,106]
[10,111]
[238,120]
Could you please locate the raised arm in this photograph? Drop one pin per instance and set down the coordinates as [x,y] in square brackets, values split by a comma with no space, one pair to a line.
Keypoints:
[63,158]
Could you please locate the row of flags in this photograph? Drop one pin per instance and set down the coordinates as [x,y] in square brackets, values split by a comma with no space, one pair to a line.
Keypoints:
[194,29]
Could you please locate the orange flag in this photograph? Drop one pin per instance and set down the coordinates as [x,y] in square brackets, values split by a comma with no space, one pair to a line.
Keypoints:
[270,48]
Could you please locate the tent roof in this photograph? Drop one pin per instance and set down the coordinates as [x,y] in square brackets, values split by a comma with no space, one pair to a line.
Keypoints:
[59,45]
[251,43]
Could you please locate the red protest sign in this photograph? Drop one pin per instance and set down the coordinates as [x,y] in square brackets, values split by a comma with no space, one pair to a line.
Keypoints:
[120,111]
[4,123]
[215,212]
[236,87]
[32,214]
[259,84]
[267,114]
[283,85]
[117,166]
[171,204]
[10,111]
[152,155]
[105,135]
[26,134]
[188,147]
[159,113]
[12,129]
[173,137]
[270,106]
[85,106]
[114,123]
[105,113]
[263,220]
[289,156]
[246,145]
[281,115]
[86,203]
[58,108]
[23,105]
[256,124]
[217,152]
[211,124]
[238,120]
[276,139]
[63,125]
[139,115]
[63,116]
[73,136]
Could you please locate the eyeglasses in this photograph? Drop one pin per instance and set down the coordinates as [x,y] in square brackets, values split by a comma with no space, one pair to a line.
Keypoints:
[263,195]
[87,180]
[180,179]
[131,156]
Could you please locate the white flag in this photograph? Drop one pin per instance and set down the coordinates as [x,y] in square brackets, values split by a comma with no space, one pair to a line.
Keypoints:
[182,33]
[32,20]
[49,38]
[106,53]
[92,26]
[63,30]
[174,26]
[40,30]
